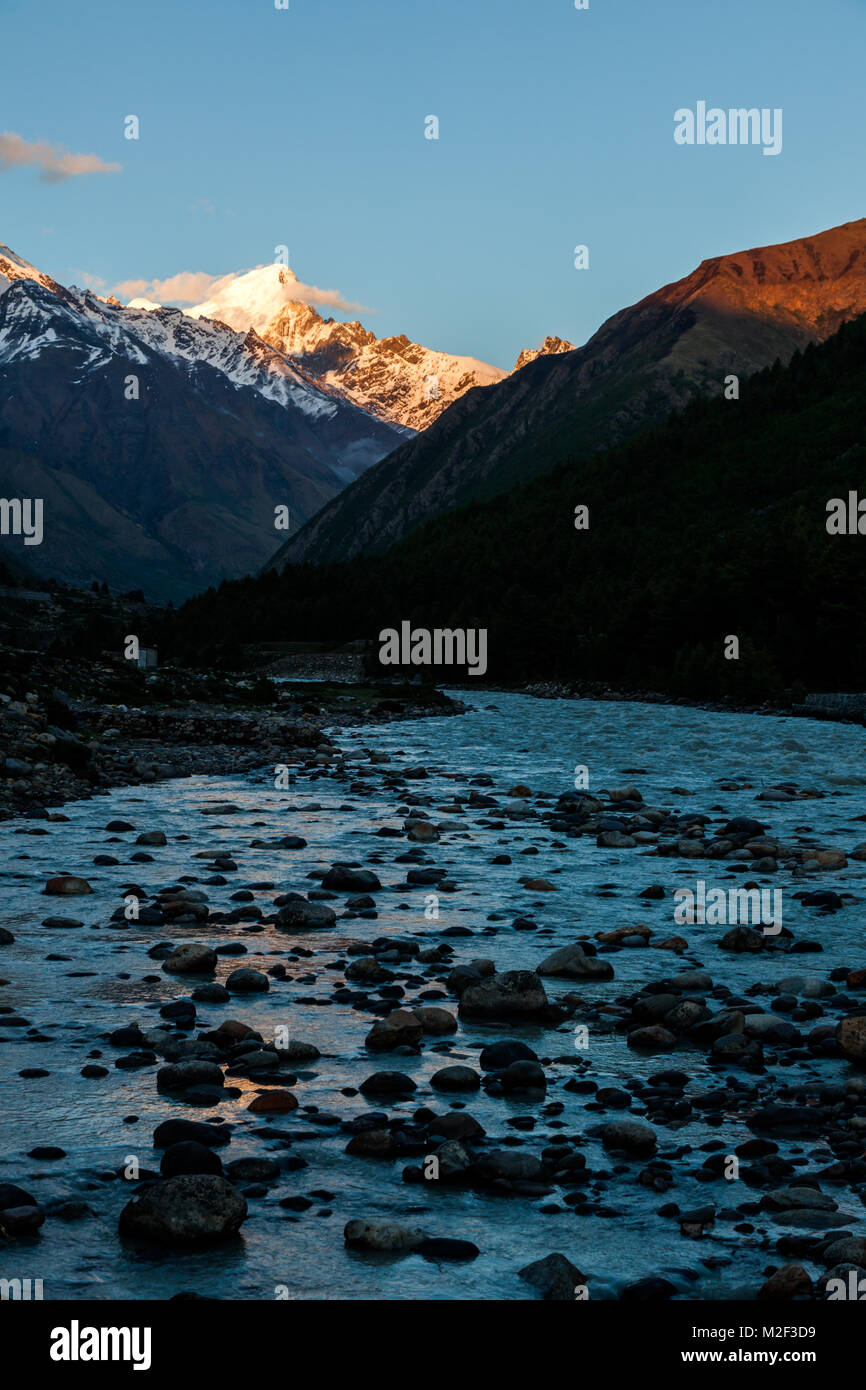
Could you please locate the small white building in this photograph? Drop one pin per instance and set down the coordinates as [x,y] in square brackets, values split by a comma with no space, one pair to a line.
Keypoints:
[148,658]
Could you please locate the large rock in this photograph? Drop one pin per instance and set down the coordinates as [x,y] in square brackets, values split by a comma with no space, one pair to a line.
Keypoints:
[185,1210]
[387,1083]
[652,1038]
[629,793]
[455,1078]
[511,1164]
[798,1199]
[461,977]
[151,837]
[523,1076]
[211,993]
[189,1157]
[434,1020]
[851,1037]
[422,831]
[305,916]
[180,1075]
[13,1196]
[615,839]
[743,825]
[514,994]
[499,1055]
[457,1124]
[791,1281]
[575,964]
[447,1248]
[276,1102]
[67,885]
[630,1135]
[373,1143]
[454,1161]
[735,1049]
[191,958]
[367,970]
[184,1131]
[743,938]
[247,981]
[342,879]
[826,858]
[381,1235]
[21,1221]
[555,1277]
[297,1051]
[400,1029]
[846,1250]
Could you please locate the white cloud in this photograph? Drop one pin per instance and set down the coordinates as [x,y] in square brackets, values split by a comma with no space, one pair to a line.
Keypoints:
[54,163]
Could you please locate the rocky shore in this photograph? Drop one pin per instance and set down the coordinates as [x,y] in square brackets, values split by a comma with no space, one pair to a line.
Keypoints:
[501,1060]
[62,740]
[842,708]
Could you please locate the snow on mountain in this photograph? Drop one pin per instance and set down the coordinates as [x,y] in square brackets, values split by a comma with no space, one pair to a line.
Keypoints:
[250,299]
[257,327]
[14,267]
[393,378]
[134,333]
[174,487]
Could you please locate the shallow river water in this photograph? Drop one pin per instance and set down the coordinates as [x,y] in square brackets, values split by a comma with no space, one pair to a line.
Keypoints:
[98,984]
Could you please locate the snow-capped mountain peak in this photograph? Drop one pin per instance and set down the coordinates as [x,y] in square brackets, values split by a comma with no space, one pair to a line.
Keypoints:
[162,442]
[250,299]
[294,356]
[393,378]
[14,267]
[40,315]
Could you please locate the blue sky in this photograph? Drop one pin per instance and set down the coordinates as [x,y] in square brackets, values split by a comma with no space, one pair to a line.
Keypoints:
[305,127]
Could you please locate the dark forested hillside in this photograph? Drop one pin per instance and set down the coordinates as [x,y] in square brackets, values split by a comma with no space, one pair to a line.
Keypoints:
[713,524]
[735,313]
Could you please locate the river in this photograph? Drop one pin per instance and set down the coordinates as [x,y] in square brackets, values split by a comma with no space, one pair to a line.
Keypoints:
[97,981]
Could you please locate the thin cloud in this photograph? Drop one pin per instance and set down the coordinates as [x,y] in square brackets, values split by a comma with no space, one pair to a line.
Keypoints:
[53,162]
[130,289]
[188,287]
[91,282]
[331,299]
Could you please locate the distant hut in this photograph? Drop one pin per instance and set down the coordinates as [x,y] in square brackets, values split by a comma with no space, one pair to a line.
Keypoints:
[148,658]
